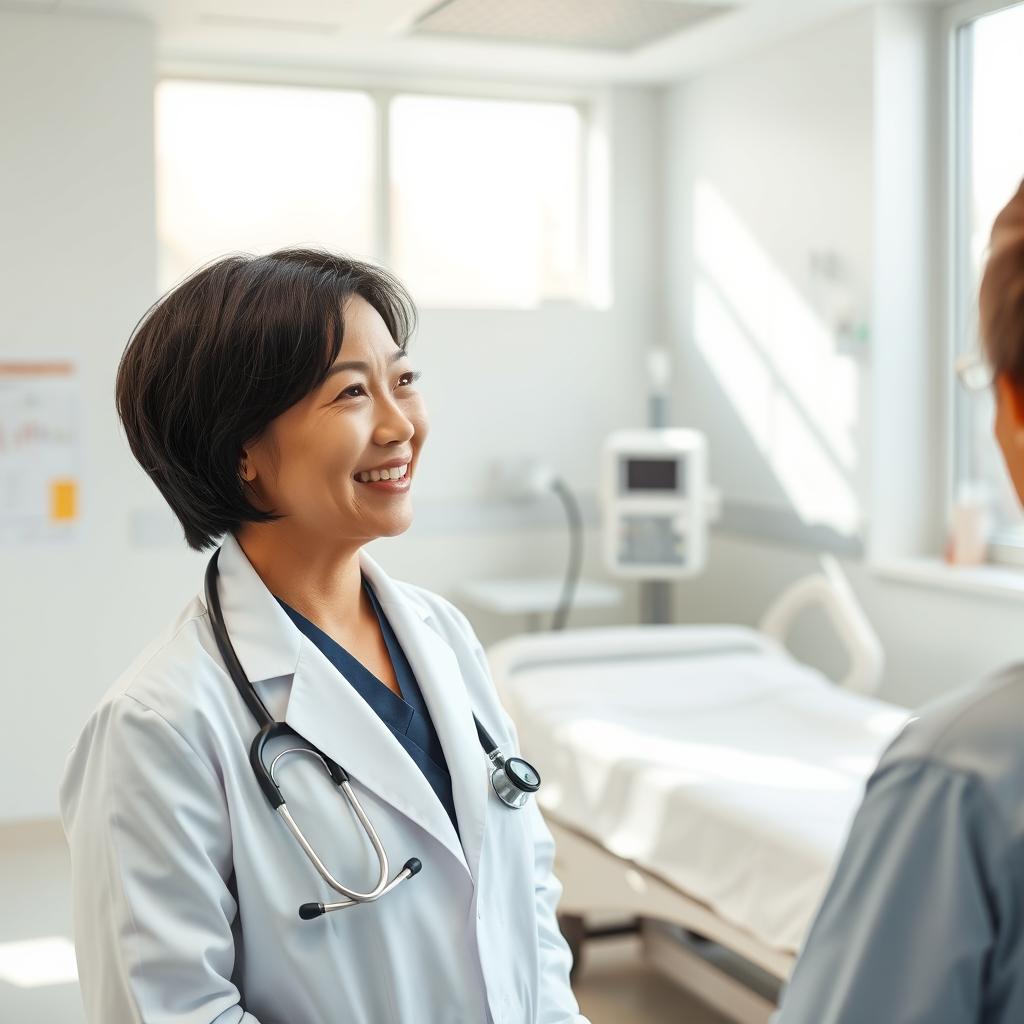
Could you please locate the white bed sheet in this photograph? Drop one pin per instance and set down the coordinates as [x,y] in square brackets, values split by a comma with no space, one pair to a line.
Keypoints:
[732,775]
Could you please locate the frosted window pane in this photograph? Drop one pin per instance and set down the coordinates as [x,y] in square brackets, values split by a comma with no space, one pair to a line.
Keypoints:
[485,200]
[256,167]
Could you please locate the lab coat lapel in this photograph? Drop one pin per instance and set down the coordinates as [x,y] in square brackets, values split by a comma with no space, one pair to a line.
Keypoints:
[328,711]
[437,671]
[323,706]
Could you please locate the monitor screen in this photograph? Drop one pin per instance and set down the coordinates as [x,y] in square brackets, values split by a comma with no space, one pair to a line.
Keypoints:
[653,475]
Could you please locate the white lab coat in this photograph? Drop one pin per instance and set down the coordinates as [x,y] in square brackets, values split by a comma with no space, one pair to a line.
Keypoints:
[187,884]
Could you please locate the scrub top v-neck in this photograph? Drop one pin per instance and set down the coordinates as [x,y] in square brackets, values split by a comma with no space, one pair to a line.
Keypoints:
[407,716]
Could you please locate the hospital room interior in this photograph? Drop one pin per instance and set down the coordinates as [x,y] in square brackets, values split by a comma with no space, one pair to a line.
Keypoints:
[696,284]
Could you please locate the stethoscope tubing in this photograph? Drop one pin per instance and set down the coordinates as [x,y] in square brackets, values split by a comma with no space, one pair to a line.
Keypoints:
[270,728]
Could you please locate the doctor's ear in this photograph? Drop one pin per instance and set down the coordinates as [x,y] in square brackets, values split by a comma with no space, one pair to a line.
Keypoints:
[246,469]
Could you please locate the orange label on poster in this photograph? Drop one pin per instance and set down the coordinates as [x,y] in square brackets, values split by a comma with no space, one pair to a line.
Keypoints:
[63,500]
[40,439]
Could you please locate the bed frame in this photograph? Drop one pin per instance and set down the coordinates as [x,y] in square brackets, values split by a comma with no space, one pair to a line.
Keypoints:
[598,882]
[680,935]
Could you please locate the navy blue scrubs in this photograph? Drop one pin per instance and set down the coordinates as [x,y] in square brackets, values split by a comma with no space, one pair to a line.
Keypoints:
[407,716]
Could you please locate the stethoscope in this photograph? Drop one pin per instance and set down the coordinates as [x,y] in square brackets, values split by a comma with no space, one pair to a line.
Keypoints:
[513,779]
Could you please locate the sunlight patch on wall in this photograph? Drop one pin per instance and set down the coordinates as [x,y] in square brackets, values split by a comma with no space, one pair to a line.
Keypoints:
[777,362]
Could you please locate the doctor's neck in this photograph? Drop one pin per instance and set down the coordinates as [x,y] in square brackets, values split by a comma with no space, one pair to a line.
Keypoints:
[319,580]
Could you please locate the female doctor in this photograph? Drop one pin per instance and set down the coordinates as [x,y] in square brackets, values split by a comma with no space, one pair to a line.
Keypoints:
[270,399]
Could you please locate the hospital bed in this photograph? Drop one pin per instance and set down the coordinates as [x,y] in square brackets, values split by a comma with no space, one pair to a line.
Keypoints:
[700,780]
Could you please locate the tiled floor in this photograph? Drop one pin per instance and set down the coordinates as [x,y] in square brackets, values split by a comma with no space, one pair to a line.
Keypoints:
[614,987]
[35,894]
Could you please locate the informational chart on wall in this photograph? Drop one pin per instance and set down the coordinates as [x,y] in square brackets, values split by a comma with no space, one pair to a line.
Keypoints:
[40,441]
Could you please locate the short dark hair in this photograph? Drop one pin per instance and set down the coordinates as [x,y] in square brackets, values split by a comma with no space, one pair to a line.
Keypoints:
[226,351]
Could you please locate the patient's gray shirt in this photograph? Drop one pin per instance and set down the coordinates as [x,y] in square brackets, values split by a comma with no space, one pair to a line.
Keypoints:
[923,922]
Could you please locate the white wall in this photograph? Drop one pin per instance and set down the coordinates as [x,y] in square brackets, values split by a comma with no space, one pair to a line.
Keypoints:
[77,269]
[825,141]
[769,159]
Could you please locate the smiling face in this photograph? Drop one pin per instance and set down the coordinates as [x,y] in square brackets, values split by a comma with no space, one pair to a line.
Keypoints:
[304,465]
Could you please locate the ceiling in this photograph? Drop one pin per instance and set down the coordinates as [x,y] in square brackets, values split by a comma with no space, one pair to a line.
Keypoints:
[582,41]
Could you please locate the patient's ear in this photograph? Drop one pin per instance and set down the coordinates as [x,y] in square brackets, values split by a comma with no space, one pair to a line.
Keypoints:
[1009,429]
[1010,403]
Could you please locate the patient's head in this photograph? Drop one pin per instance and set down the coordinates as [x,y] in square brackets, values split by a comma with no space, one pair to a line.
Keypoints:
[1001,303]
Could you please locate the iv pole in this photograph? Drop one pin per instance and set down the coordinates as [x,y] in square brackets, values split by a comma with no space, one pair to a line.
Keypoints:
[656,595]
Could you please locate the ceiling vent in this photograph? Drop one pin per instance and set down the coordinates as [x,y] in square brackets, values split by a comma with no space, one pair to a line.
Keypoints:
[619,25]
[268,24]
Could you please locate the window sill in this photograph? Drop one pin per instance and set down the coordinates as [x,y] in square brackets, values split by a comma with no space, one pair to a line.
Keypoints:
[995,581]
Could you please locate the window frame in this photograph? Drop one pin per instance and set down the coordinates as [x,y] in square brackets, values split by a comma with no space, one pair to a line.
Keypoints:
[591,104]
[958,66]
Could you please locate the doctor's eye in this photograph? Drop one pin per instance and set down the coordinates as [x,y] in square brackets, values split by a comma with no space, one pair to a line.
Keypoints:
[414,376]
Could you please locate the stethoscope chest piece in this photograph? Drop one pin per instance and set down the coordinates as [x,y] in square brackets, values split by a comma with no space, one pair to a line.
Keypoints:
[514,780]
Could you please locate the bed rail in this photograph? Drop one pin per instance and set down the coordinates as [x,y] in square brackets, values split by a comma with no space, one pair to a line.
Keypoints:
[832,591]
[608,643]
[829,588]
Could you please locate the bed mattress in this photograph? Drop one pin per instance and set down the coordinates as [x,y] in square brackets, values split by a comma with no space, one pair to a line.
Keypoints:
[731,772]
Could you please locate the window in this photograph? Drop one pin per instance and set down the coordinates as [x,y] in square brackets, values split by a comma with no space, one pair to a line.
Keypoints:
[482,203]
[989,165]
[253,168]
[486,200]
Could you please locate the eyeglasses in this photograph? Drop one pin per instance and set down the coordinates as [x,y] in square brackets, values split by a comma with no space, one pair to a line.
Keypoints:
[974,371]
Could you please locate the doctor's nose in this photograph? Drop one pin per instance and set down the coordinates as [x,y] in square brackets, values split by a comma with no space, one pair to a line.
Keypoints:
[393,424]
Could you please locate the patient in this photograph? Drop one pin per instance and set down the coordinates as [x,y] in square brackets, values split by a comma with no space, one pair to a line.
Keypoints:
[924,919]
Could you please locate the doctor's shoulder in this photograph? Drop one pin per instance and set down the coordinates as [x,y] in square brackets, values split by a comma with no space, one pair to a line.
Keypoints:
[453,627]
[445,617]
[169,680]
